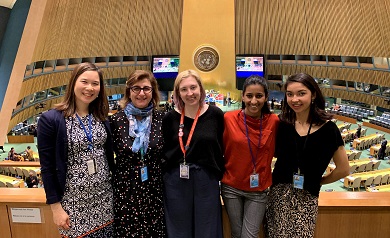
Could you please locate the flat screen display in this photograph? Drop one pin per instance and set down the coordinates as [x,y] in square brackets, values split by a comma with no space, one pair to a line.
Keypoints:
[249,65]
[165,67]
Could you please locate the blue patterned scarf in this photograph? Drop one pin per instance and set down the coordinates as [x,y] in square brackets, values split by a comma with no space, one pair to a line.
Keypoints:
[140,129]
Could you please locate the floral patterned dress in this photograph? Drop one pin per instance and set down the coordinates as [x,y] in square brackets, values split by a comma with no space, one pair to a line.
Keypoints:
[88,198]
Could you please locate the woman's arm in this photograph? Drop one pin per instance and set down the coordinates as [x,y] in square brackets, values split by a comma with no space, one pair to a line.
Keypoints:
[342,167]
[47,137]
[60,217]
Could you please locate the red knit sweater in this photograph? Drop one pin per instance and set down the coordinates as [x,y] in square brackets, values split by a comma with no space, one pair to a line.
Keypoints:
[238,161]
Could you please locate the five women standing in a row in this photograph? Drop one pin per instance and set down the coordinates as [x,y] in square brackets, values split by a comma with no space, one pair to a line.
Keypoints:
[168,167]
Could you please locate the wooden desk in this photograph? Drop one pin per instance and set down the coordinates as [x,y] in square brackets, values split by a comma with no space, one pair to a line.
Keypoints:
[17,183]
[343,135]
[365,175]
[10,163]
[25,198]
[375,148]
[343,125]
[382,188]
[21,139]
[356,142]
[344,118]
[37,170]
[338,214]
[357,162]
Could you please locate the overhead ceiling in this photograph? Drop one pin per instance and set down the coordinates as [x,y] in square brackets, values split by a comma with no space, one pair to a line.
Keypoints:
[7,3]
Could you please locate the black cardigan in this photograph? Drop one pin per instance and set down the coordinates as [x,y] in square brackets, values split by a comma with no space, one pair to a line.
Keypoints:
[53,153]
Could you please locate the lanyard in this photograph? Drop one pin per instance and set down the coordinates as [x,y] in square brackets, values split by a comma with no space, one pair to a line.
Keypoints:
[181,126]
[88,134]
[142,155]
[303,149]
[249,143]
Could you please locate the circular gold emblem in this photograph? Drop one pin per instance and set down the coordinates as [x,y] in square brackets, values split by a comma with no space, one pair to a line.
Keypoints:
[206,59]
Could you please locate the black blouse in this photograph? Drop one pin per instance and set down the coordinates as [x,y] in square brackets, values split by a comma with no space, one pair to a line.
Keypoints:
[313,161]
[206,143]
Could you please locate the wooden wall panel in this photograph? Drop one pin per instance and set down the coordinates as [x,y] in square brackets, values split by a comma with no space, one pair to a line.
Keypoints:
[42,82]
[356,96]
[74,28]
[332,27]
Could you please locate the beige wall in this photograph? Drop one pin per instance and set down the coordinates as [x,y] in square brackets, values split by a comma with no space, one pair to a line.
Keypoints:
[210,23]
[23,58]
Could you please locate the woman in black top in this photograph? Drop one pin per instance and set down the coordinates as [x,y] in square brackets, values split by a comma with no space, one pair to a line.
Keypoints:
[138,142]
[194,161]
[306,142]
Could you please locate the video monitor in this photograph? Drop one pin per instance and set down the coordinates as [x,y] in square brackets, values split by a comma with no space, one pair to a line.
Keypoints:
[165,67]
[247,65]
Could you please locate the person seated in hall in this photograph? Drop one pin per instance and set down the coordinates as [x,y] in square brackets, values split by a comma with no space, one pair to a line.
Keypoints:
[12,155]
[32,180]
[29,154]
[2,148]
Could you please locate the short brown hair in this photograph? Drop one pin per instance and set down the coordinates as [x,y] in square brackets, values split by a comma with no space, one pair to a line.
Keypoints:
[135,77]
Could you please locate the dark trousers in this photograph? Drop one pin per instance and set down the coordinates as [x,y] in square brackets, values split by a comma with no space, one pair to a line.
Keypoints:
[192,206]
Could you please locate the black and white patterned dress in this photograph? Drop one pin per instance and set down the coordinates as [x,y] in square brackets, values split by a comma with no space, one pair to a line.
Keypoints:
[88,199]
[138,206]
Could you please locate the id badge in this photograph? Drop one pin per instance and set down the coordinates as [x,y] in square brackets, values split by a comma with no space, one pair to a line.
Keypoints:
[91,166]
[298,181]
[144,173]
[254,180]
[184,171]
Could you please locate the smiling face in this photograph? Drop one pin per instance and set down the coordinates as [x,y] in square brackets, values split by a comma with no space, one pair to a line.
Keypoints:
[86,88]
[189,91]
[141,99]
[299,98]
[254,99]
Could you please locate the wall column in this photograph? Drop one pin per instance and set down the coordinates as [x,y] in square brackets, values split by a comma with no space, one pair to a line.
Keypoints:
[210,23]
[23,58]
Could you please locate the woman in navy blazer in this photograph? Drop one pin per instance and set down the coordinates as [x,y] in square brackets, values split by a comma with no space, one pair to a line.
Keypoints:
[75,150]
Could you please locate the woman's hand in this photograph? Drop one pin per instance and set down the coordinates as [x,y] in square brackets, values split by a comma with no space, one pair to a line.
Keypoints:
[60,217]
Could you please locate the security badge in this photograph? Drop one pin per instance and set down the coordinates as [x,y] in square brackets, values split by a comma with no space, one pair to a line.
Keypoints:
[144,173]
[184,171]
[298,180]
[254,180]
[91,164]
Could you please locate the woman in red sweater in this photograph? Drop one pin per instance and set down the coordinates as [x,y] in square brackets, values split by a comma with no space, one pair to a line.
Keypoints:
[249,140]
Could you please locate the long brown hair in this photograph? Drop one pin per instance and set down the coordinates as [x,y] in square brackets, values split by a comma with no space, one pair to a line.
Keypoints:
[317,114]
[98,107]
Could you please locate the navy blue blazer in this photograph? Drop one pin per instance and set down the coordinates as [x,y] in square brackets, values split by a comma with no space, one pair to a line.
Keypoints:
[53,153]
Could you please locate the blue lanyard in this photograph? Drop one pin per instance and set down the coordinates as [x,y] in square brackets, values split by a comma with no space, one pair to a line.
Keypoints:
[88,134]
[142,154]
[249,142]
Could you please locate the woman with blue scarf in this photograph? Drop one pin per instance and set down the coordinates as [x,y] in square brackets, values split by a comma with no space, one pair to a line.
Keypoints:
[138,142]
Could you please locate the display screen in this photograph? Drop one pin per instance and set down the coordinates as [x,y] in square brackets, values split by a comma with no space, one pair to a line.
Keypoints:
[249,65]
[165,67]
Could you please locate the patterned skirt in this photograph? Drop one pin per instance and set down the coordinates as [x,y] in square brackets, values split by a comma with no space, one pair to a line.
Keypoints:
[290,212]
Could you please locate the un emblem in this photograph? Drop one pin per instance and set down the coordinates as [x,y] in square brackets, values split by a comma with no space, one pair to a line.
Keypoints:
[206,59]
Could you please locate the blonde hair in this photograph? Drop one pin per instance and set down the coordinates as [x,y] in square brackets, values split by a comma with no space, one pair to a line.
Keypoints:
[176,91]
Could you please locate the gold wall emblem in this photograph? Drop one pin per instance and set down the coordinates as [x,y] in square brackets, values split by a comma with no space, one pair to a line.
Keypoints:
[206,59]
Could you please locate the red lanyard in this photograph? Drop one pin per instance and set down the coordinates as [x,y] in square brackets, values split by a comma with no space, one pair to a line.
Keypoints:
[181,126]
